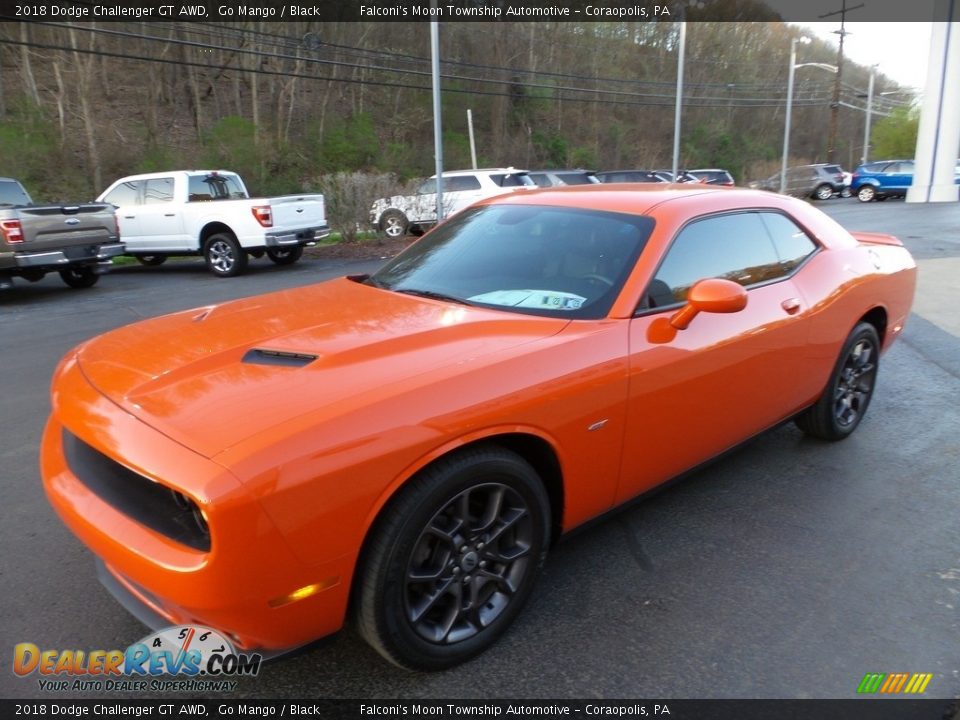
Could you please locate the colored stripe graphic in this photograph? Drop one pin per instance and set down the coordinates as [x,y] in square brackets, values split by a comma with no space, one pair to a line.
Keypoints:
[871,682]
[893,683]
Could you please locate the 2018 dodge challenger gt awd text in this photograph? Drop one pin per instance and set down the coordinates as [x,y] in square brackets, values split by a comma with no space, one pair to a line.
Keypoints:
[403,448]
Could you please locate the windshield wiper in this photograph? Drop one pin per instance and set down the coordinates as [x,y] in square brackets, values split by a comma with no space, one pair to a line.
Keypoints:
[432,295]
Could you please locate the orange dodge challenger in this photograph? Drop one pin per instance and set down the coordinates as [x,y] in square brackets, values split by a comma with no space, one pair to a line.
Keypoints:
[407,445]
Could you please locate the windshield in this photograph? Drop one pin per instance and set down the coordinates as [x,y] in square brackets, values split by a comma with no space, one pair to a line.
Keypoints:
[558,262]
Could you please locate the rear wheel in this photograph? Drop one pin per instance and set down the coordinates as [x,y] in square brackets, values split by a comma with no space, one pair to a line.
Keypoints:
[151,260]
[224,256]
[847,395]
[866,193]
[285,256]
[394,224]
[453,558]
[79,277]
[823,192]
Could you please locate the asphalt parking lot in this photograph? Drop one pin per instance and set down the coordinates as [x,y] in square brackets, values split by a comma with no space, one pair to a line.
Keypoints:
[789,569]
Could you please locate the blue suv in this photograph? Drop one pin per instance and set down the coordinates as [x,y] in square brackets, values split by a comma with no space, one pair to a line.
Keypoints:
[885,178]
[882,179]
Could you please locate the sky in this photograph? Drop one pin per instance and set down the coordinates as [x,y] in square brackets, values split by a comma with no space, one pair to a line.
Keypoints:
[900,49]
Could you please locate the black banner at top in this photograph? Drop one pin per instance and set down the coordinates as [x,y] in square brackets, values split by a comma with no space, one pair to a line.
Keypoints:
[481,10]
[627,709]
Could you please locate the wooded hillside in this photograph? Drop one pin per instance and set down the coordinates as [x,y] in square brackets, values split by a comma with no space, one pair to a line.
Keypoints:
[84,103]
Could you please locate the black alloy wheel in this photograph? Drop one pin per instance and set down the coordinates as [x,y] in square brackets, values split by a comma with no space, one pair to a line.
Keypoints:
[847,396]
[453,558]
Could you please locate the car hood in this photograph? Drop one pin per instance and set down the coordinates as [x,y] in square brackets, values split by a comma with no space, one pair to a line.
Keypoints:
[212,377]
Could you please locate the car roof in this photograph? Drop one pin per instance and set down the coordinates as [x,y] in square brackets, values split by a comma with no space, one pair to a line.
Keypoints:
[633,198]
[510,170]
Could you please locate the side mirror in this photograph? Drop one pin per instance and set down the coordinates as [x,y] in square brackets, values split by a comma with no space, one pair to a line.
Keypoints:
[711,295]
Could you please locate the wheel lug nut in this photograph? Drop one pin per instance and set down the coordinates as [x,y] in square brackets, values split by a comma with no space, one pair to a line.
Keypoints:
[480,546]
[456,571]
[483,563]
[466,579]
[463,549]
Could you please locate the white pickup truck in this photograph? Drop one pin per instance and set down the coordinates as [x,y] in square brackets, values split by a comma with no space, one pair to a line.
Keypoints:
[209,213]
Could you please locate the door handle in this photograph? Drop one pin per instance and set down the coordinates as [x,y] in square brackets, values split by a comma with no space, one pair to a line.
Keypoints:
[129,217]
[791,306]
[169,214]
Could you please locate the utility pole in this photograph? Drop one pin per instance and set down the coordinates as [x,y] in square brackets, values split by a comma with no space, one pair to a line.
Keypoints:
[835,104]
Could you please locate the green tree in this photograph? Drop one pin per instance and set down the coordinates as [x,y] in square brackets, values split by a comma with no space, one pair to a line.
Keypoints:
[895,136]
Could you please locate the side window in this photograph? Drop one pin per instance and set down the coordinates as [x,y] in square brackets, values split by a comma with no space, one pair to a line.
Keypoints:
[127,193]
[734,247]
[792,244]
[540,179]
[461,183]
[199,189]
[512,180]
[427,187]
[159,190]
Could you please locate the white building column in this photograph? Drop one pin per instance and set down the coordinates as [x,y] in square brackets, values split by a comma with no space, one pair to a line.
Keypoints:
[938,139]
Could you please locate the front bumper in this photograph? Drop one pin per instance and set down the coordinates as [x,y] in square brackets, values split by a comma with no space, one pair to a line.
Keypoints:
[237,586]
[62,258]
[301,236]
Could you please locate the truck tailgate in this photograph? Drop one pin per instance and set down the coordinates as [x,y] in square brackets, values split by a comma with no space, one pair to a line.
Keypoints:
[298,211]
[56,227]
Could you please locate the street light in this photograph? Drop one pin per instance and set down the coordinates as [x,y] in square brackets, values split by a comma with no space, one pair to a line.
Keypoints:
[786,130]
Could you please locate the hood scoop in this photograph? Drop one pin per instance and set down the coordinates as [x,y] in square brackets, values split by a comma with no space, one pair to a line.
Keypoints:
[263,356]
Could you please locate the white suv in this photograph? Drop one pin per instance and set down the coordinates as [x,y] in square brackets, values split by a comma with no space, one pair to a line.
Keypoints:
[396,215]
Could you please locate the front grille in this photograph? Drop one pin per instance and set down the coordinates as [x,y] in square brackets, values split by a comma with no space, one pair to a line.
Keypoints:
[150,503]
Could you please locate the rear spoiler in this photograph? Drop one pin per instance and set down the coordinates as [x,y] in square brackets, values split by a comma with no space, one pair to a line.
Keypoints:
[872,238]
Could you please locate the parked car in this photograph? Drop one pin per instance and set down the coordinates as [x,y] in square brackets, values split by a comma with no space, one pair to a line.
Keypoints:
[683,176]
[408,445]
[713,176]
[210,213]
[553,178]
[76,241]
[395,216]
[821,182]
[886,178]
[629,176]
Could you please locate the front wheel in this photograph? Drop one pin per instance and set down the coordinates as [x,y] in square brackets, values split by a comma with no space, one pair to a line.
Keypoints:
[453,558]
[823,192]
[845,400]
[866,193]
[846,192]
[285,256]
[224,256]
[79,277]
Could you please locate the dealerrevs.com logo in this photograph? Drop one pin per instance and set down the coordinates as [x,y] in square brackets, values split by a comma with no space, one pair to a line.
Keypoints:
[185,658]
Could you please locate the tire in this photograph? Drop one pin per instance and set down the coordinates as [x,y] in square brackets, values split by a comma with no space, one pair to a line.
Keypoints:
[79,277]
[823,192]
[285,256]
[151,260]
[224,256]
[866,193]
[476,522]
[394,224]
[846,192]
[847,396]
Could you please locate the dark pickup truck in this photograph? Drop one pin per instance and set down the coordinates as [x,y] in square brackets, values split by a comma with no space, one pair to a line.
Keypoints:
[76,241]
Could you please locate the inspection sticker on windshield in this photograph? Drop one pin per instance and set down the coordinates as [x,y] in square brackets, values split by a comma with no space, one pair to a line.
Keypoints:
[543,299]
